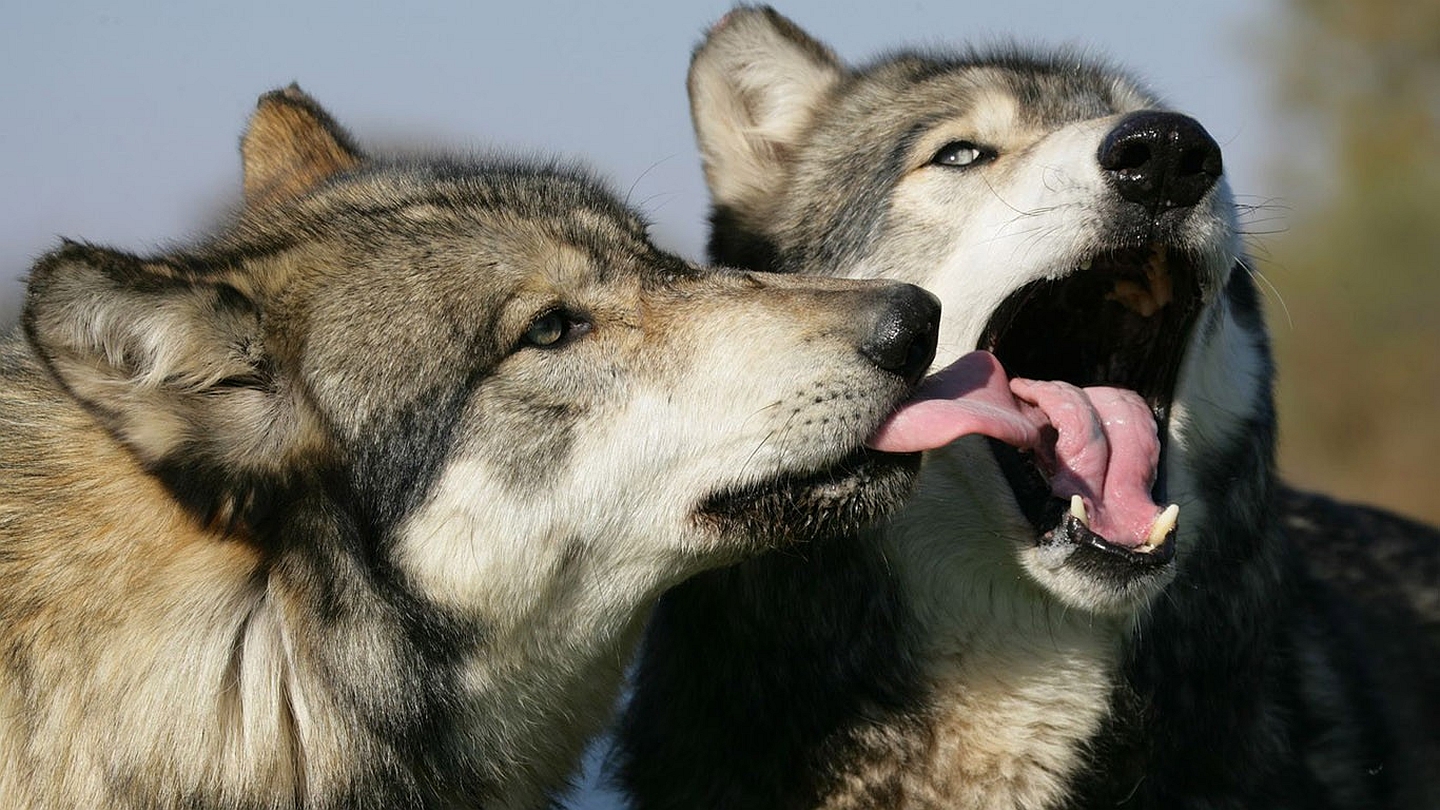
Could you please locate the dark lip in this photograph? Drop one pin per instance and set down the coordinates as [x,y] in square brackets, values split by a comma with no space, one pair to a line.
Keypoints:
[1071,532]
[801,506]
[1072,329]
[854,489]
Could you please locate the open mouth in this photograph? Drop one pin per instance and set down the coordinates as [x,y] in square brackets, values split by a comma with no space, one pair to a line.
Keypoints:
[1073,382]
[1118,323]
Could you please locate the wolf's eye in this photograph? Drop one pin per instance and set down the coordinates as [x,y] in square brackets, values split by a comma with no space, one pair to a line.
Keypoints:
[546,331]
[962,154]
[554,328]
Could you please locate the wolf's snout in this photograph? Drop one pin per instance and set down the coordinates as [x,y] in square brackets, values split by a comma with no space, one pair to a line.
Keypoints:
[902,329]
[1160,160]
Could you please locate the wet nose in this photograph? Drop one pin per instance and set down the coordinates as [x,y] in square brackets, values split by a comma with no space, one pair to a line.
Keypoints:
[1160,160]
[902,329]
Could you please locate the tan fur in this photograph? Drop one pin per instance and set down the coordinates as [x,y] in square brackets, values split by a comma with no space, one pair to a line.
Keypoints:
[290,146]
[82,608]
[1020,682]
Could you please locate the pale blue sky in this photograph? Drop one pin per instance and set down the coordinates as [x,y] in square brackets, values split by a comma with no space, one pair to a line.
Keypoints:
[120,124]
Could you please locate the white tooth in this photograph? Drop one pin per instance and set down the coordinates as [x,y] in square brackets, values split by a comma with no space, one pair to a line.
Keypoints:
[1163,525]
[1077,508]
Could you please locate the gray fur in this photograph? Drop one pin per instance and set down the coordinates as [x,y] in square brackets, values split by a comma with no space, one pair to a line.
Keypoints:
[1282,660]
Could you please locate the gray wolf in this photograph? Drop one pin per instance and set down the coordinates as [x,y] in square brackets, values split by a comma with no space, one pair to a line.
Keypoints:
[361,503]
[1038,628]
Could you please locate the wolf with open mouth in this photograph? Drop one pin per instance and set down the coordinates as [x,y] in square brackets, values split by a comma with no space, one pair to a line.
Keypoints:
[1100,595]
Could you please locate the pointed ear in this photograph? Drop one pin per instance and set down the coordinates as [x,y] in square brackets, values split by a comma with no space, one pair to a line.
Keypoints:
[172,363]
[755,83]
[291,146]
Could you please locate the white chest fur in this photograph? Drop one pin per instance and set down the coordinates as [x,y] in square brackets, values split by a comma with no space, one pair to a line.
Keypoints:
[1020,682]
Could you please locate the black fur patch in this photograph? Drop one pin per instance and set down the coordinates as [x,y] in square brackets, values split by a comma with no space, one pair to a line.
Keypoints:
[740,247]
[770,732]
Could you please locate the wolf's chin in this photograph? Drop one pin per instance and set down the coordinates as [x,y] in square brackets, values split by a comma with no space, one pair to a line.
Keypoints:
[805,506]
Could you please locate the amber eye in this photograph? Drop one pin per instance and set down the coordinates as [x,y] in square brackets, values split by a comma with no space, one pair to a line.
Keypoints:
[547,330]
[962,154]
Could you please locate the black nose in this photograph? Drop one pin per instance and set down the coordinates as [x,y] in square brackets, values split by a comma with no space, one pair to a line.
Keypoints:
[1160,160]
[904,326]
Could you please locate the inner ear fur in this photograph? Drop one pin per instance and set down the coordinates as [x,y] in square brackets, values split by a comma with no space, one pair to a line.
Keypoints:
[173,364]
[755,83]
[292,145]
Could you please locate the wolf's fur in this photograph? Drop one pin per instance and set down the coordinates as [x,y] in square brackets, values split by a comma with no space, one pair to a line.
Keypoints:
[1287,657]
[362,503]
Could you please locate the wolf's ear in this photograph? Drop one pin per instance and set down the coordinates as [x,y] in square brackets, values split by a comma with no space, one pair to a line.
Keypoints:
[755,82]
[292,145]
[172,362]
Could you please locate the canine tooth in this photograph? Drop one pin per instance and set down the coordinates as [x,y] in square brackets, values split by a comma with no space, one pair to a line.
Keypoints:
[1163,525]
[1077,508]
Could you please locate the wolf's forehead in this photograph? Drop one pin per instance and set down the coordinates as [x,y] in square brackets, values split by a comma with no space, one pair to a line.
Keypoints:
[445,233]
[1031,94]
[1053,99]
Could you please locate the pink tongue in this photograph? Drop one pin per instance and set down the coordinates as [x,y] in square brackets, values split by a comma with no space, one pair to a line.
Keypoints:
[1103,446]
[970,395]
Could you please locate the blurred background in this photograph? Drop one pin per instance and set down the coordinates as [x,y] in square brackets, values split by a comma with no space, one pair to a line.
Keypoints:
[121,125]
[1353,244]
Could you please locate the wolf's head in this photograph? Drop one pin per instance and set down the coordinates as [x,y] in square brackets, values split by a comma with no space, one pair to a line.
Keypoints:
[1072,225]
[487,366]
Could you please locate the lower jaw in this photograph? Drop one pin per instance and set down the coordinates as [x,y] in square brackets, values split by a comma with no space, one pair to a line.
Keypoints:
[1065,560]
[1089,580]
[842,500]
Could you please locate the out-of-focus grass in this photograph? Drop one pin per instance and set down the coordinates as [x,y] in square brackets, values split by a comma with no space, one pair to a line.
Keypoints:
[1359,385]
[1358,267]
[1355,316]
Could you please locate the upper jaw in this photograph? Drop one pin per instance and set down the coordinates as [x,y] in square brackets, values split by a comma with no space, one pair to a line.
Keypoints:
[1119,317]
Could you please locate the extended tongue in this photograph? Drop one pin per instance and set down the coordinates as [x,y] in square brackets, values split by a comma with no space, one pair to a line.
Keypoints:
[1105,449]
[970,395]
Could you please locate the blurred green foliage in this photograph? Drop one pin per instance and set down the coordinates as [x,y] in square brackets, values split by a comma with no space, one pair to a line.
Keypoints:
[1357,270]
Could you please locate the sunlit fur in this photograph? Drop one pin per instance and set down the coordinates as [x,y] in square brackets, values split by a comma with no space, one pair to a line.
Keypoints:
[301,518]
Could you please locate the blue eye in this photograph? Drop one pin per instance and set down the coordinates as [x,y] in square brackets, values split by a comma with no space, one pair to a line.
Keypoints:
[962,154]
